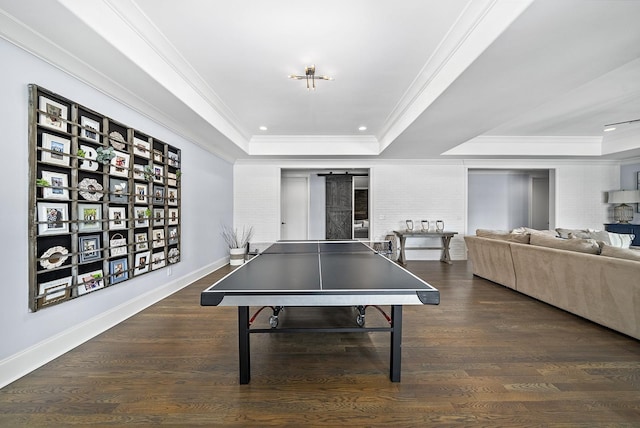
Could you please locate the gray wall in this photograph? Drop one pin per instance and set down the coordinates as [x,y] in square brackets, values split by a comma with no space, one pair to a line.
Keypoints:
[206,203]
[498,200]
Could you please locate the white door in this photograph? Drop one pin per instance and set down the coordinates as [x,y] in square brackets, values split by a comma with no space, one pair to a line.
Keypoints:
[294,209]
[540,203]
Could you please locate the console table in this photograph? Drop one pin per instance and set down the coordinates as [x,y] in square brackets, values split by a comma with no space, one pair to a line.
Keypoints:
[629,228]
[445,239]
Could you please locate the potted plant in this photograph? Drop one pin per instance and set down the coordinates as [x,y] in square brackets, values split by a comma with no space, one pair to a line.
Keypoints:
[237,242]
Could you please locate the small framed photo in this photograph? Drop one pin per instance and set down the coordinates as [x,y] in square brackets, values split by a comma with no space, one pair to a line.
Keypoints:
[141,263]
[158,195]
[55,150]
[141,217]
[173,159]
[89,217]
[120,164]
[158,174]
[138,171]
[173,216]
[90,281]
[117,218]
[173,235]
[53,218]
[141,148]
[141,193]
[90,129]
[58,185]
[157,260]
[118,191]
[52,114]
[54,291]
[172,179]
[158,216]
[89,248]
[118,270]
[172,196]
[142,241]
[157,155]
[158,238]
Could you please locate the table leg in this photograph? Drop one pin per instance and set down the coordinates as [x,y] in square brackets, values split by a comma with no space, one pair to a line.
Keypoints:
[445,257]
[401,258]
[244,353]
[396,343]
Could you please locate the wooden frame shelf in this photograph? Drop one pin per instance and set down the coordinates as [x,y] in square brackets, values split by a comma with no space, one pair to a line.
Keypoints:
[87,212]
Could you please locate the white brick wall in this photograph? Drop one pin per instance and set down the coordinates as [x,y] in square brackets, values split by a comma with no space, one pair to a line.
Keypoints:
[431,190]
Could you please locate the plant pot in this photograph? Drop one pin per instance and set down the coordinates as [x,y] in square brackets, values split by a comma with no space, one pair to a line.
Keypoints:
[237,256]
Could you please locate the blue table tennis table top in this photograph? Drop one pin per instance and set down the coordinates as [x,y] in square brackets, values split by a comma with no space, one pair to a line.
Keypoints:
[319,273]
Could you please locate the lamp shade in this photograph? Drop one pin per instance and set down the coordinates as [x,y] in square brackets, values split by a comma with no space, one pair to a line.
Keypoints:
[624,197]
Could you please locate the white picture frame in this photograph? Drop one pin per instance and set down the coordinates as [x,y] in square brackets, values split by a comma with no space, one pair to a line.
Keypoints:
[158,238]
[141,217]
[141,194]
[141,263]
[117,218]
[141,148]
[89,217]
[90,129]
[157,260]
[158,217]
[56,150]
[173,216]
[54,291]
[158,173]
[53,218]
[141,241]
[138,171]
[53,114]
[120,164]
[58,185]
[90,281]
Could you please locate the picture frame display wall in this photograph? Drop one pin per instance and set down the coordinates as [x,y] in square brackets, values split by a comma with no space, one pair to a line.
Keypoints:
[104,198]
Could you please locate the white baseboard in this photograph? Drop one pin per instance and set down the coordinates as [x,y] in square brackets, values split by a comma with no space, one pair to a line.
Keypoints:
[24,362]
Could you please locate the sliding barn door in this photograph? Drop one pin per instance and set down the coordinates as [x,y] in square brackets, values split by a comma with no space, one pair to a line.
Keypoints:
[339,215]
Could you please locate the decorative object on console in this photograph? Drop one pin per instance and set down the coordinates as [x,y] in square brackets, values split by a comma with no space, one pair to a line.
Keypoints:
[425,225]
[409,224]
[623,213]
[439,226]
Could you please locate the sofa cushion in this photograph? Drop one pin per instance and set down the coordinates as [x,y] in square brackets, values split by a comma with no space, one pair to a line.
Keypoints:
[620,253]
[598,235]
[620,240]
[503,235]
[589,246]
[525,230]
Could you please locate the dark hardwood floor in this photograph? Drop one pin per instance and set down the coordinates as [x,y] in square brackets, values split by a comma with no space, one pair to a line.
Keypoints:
[486,356]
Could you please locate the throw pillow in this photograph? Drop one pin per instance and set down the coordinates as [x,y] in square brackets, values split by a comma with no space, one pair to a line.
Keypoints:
[620,240]
[621,253]
[564,233]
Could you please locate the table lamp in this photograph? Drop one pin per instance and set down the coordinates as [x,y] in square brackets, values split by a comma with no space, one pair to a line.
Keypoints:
[623,213]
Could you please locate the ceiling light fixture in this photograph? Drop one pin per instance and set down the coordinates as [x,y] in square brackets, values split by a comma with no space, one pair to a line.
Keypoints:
[362,128]
[310,76]
[263,128]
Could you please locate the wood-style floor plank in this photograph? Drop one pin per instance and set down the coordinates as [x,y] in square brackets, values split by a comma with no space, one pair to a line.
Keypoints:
[486,356]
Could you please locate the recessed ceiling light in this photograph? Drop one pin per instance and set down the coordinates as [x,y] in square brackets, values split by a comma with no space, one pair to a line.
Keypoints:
[263,128]
[609,129]
[362,128]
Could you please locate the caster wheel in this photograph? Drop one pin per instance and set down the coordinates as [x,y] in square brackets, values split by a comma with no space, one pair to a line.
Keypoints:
[360,320]
[273,321]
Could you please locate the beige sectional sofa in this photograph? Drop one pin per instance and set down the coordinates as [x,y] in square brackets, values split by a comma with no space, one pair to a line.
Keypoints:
[587,278]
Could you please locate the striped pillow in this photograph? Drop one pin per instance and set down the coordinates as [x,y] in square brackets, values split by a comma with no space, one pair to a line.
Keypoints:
[620,240]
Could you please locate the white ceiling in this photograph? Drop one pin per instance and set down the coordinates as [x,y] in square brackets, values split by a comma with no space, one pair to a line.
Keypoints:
[428,78]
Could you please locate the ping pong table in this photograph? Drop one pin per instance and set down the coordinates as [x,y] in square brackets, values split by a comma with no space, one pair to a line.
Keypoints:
[319,273]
